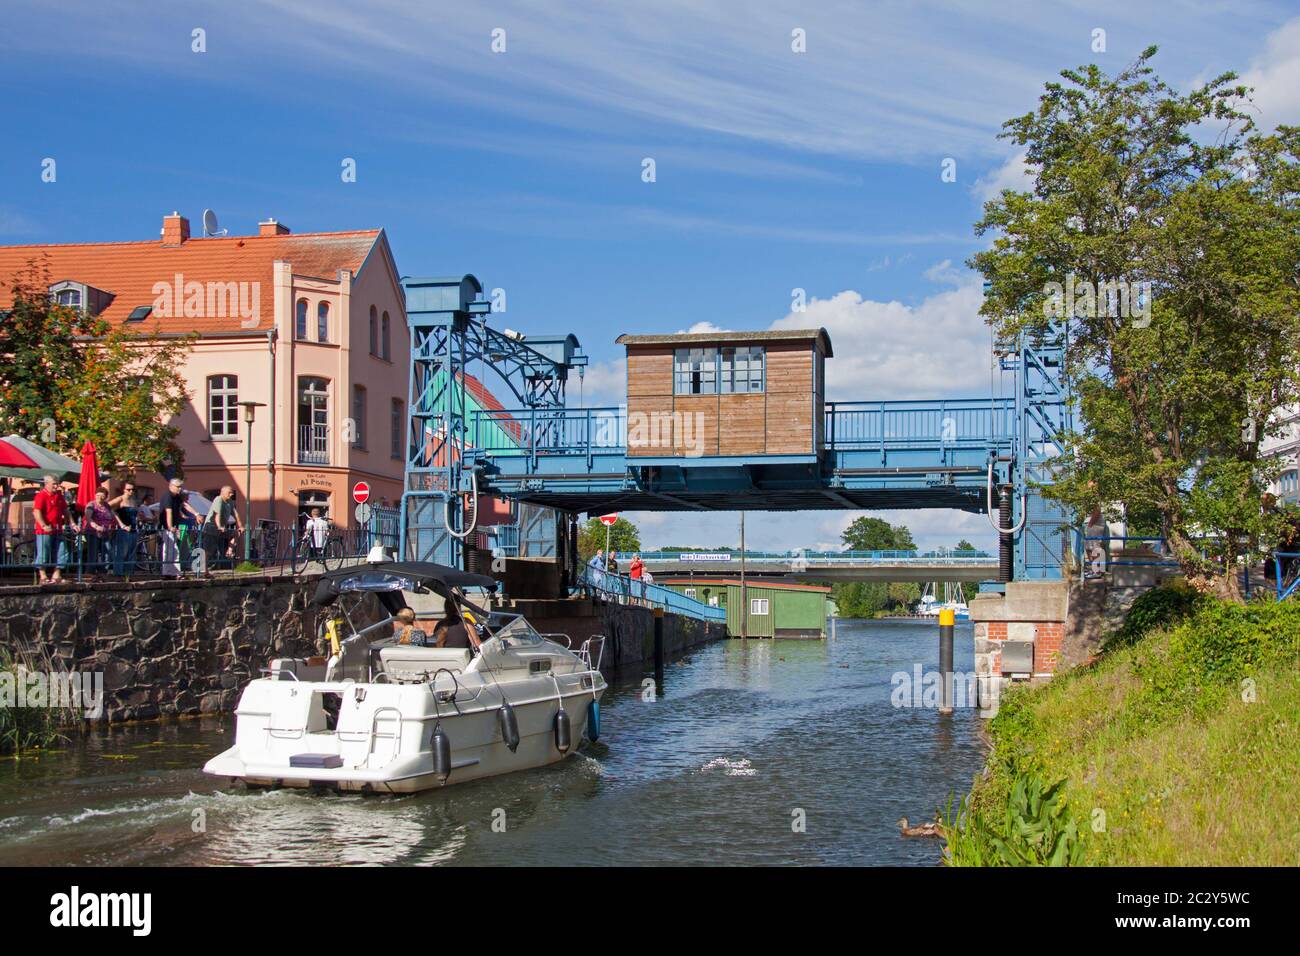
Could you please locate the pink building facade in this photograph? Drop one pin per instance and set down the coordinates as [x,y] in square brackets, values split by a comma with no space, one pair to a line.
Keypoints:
[312,327]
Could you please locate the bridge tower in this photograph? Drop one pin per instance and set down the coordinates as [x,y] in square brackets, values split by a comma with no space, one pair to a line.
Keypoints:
[1044,410]
[450,339]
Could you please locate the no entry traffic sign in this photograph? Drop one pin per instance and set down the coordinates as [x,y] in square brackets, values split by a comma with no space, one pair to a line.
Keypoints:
[608,519]
[361,492]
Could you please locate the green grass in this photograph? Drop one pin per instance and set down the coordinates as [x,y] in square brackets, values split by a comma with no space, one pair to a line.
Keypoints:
[1180,746]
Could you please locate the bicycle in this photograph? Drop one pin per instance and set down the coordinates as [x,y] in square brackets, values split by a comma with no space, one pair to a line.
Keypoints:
[303,552]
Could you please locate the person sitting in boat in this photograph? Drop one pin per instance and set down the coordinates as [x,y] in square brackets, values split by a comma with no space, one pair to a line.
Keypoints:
[451,630]
[405,630]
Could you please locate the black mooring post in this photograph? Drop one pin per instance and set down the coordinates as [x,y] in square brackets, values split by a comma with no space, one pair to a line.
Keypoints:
[946,619]
[1006,542]
[659,646]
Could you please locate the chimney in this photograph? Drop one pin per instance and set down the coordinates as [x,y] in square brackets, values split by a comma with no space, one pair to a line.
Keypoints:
[269,227]
[175,230]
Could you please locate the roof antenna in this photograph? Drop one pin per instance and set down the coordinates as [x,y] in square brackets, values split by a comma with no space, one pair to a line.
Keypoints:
[210,224]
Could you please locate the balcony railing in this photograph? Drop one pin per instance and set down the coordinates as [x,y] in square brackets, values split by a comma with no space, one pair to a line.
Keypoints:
[313,444]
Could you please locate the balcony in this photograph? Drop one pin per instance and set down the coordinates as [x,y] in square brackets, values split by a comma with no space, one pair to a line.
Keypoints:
[313,445]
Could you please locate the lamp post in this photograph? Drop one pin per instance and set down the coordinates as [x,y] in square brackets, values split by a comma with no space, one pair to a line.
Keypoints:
[250,412]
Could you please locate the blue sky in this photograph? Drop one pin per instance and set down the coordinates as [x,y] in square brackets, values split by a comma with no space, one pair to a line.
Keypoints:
[775,170]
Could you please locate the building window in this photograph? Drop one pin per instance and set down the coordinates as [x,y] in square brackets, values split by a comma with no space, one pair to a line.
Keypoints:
[396,425]
[358,416]
[70,298]
[223,406]
[690,592]
[758,607]
[300,320]
[323,322]
[374,331]
[313,421]
[695,372]
[386,352]
[741,369]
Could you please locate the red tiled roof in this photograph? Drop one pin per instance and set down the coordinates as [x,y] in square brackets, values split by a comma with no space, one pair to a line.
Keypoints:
[488,402]
[129,270]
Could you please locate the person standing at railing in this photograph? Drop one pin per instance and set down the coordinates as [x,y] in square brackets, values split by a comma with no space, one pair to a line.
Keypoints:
[218,540]
[126,509]
[597,566]
[317,531]
[53,519]
[635,571]
[99,523]
[174,512]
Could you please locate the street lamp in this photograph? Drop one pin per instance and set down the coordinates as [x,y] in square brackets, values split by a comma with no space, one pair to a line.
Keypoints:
[250,412]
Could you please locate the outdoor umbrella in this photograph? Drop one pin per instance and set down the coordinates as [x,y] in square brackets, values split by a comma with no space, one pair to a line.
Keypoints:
[11,457]
[47,462]
[89,482]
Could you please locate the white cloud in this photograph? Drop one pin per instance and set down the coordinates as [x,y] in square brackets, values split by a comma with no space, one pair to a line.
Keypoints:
[1014,174]
[702,327]
[1275,75]
[886,350]
[602,383]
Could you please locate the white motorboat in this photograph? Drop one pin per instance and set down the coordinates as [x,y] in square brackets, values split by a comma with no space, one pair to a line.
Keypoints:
[383,717]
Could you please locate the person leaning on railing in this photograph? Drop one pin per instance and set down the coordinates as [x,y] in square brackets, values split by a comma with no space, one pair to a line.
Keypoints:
[126,509]
[98,523]
[53,520]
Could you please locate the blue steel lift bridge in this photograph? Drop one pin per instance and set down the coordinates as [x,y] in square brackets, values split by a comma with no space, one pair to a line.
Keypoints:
[985,455]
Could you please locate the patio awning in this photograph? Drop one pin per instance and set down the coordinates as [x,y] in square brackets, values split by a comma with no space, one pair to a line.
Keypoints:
[47,462]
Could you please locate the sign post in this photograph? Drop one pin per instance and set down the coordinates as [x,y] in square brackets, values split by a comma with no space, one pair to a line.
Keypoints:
[608,522]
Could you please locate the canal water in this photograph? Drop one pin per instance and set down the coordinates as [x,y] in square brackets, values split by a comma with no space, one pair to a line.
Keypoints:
[747,740]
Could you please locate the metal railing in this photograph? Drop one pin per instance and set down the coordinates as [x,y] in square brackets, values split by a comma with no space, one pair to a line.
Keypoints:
[622,589]
[313,444]
[892,425]
[848,426]
[149,552]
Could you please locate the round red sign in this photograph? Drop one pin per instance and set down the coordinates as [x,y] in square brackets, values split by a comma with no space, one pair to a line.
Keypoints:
[360,492]
[608,519]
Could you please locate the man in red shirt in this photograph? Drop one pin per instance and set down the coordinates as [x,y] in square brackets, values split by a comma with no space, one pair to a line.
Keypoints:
[634,572]
[50,510]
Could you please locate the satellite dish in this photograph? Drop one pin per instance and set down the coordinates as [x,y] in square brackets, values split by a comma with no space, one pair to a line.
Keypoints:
[210,224]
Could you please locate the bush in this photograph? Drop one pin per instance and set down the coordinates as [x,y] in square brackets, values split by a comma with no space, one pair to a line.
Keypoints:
[1157,608]
[24,728]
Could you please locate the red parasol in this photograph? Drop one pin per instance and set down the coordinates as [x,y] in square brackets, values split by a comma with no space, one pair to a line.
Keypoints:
[89,482]
[11,457]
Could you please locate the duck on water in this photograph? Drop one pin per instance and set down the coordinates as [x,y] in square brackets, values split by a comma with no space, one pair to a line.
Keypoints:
[379,716]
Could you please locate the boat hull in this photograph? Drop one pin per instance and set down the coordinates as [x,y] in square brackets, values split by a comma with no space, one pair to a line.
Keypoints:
[383,741]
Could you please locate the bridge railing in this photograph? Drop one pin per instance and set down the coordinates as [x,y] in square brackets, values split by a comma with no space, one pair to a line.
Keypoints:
[626,590]
[848,426]
[909,424]
[938,556]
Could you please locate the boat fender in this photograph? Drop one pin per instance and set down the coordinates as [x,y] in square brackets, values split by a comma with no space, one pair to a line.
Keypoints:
[509,725]
[593,720]
[563,732]
[441,754]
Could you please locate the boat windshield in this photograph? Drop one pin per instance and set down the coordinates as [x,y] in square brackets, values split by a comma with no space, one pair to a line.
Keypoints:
[518,632]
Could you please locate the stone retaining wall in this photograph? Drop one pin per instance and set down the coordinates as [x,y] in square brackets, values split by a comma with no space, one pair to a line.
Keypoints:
[165,649]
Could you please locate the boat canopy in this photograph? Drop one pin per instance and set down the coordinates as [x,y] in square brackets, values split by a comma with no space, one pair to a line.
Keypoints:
[396,576]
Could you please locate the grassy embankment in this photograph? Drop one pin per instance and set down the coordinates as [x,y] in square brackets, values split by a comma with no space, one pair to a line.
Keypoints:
[1179,746]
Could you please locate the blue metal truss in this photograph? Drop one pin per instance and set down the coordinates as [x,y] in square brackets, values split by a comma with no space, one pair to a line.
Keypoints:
[873,455]
[1044,412]
[450,334]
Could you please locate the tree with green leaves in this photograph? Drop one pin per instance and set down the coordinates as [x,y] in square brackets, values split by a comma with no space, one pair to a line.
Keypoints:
[69,377]
[1178,221]
[876,534]
[623,536]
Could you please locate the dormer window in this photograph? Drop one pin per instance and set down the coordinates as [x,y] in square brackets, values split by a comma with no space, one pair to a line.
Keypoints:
[140,313]
[77,295]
